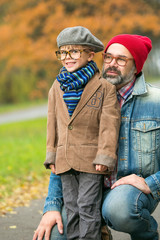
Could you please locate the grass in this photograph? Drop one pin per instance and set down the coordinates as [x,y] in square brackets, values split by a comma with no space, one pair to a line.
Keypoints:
[22,153]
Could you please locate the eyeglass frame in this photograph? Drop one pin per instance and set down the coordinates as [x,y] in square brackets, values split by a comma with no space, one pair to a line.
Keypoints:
[68,53]
[112,57]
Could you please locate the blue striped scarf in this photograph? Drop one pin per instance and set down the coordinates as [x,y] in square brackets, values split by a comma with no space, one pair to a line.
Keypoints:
[73,84]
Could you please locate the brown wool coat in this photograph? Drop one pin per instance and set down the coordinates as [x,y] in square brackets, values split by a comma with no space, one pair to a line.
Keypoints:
[90,136]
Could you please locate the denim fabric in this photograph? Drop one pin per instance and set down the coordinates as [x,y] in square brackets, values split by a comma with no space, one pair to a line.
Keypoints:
[127,209]
[54,200]
[139,139]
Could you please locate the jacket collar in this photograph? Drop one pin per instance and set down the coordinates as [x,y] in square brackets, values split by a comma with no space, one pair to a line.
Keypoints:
[88,92]
[140,86]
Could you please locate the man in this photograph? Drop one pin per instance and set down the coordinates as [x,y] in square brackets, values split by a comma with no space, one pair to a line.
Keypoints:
[129,201]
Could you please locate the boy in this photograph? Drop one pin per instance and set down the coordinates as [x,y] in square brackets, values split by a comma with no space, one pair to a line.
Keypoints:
[82,131]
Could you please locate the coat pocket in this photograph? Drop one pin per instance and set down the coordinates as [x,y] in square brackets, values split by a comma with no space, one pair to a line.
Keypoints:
[146,135]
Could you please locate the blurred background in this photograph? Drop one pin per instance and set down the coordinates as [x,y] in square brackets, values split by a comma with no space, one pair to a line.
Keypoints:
[29,30]
[28,67]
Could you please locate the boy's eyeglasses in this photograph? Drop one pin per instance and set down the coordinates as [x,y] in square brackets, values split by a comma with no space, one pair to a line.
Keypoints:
[73,53]
[121,61]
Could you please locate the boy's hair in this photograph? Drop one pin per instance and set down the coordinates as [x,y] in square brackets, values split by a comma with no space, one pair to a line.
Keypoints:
[79,36]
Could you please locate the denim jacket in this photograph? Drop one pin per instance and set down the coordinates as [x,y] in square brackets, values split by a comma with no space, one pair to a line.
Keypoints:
[139,142]
[139,139]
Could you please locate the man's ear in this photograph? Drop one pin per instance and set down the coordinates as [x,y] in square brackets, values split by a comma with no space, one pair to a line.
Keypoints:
[91,56]
[135,71]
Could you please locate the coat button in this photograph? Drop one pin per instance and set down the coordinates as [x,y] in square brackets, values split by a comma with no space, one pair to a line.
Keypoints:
[70,127]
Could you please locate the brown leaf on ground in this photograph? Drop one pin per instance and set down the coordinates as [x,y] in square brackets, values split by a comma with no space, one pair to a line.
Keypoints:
[13,227]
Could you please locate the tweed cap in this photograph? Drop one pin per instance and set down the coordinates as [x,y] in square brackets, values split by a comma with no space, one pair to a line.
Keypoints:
[79,36]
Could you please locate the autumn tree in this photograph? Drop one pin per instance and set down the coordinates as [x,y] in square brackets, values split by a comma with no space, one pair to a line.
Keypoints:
[29,29]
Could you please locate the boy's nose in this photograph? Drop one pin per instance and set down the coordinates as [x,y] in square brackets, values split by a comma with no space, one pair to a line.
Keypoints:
[68,55]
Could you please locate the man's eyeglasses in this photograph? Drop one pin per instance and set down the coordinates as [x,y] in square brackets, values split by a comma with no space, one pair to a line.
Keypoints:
[73,53]
[121,61]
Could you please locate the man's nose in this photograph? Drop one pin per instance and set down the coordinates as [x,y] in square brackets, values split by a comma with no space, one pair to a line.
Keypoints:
[113,62]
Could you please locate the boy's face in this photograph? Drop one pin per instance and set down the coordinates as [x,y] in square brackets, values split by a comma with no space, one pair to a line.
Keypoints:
[72,64]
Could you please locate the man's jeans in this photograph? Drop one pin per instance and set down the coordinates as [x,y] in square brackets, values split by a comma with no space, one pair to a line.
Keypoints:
[124,209]
[127,209]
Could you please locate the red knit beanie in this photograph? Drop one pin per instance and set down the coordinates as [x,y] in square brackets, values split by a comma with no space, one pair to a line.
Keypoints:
[138,46]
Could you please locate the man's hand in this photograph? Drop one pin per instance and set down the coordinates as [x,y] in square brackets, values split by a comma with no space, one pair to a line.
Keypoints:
[48,220]
[135,181]
[101,168]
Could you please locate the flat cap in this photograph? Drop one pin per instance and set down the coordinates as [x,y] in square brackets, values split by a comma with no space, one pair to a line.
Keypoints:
[79,36]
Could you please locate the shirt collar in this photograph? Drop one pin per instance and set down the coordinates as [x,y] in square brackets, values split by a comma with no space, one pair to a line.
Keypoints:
[126,90]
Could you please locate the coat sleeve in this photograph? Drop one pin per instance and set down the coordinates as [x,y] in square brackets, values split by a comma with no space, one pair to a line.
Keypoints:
[108,129]
[54,200]
[51,130]
[153,182]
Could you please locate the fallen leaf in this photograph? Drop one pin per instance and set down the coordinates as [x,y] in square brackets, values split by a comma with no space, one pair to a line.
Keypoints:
[22,195]
[13,227]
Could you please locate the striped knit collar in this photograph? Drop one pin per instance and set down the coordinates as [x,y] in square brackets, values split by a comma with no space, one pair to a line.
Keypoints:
[78,79]
[73,84]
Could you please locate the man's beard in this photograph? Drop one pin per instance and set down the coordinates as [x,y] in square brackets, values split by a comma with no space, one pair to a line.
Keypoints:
[119,79]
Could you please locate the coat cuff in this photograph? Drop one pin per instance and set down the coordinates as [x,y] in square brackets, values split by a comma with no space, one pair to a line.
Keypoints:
[154,186]
[106,161]
[50,159]
[53,205]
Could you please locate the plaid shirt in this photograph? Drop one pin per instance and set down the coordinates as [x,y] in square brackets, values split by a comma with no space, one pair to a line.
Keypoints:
[122,95]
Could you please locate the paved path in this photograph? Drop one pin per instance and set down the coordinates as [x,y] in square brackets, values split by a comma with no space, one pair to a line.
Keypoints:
[22,115]
[22,224]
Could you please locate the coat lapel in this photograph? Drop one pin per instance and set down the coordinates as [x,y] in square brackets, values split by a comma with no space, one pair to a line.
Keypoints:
[88,92]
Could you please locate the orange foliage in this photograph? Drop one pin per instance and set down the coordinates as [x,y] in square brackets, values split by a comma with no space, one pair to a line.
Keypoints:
[29,28]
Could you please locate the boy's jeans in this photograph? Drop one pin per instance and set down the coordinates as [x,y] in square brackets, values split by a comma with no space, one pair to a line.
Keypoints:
[127,209]
[82,194]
